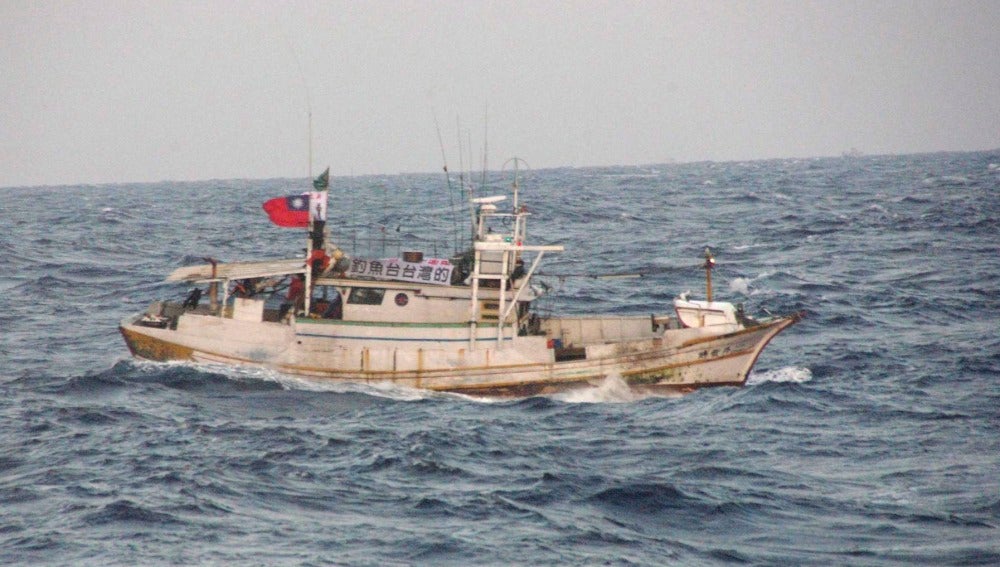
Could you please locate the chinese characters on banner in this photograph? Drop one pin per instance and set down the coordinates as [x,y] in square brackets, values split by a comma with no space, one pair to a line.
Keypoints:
[433,271]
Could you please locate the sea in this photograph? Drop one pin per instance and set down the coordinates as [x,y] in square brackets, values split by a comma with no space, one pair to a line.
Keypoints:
[867,434]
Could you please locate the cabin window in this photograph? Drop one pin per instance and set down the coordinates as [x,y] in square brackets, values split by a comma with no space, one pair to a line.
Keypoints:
[366,296]
[327,304]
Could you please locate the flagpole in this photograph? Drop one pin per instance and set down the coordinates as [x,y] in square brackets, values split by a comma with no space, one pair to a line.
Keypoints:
[309,104]
[305,87]
[308,287]
[309,235]
[317,224]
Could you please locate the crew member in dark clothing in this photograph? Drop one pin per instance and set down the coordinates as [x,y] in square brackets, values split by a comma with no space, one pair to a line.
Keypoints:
[336,308]
[192,299]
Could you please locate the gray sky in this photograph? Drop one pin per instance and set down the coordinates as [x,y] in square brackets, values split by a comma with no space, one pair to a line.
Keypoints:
[126,91]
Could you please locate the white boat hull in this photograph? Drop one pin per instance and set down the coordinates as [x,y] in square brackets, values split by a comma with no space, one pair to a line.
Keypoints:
[459,324]
[672,360]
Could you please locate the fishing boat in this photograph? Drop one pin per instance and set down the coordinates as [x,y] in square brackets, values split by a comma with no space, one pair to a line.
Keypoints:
[463,324]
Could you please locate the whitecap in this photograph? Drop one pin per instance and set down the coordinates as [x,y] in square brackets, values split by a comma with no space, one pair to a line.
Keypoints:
[740,285]
[611,390]
[382,389]
[947,180]
[794,374]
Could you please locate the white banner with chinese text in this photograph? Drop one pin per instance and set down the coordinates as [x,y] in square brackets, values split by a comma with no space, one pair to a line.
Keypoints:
[433,271]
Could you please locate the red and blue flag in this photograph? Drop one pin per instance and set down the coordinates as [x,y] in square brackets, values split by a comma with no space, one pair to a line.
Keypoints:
[291,211]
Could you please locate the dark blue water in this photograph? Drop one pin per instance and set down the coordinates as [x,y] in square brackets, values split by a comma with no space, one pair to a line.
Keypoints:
[869,433]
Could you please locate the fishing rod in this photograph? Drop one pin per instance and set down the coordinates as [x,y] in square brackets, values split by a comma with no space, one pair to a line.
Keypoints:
[468,187]
[486,142]
[620,275]
[447,176]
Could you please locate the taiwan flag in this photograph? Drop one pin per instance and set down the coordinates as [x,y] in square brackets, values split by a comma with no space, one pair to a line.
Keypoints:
[291,211]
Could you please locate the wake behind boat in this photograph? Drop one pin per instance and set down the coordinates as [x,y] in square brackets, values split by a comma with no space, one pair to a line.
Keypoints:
[461,324]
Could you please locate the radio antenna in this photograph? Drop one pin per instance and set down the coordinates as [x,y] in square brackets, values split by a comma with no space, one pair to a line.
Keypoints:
[486,142]
[305,87]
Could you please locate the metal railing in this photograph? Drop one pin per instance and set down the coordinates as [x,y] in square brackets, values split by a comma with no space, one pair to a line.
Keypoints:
[382,242]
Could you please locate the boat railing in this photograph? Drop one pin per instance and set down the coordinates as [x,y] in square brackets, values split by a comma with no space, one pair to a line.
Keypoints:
[381,242]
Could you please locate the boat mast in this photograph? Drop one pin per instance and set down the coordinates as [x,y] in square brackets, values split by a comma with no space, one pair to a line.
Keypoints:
[505,249]
[309,169]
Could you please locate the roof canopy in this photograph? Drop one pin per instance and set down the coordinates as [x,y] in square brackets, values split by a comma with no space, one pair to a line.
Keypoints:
[238,271]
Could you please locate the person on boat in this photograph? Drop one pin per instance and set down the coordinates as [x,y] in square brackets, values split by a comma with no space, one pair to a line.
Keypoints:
[340,263]
[296,296]
[239,289]
[245,288]
[518,272]
[192,299]
[335,310]
[316,234]
[318,262]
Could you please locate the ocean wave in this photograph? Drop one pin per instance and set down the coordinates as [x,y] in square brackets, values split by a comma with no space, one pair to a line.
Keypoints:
[947,181]
[127,512]
[863,432]
[640,501]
